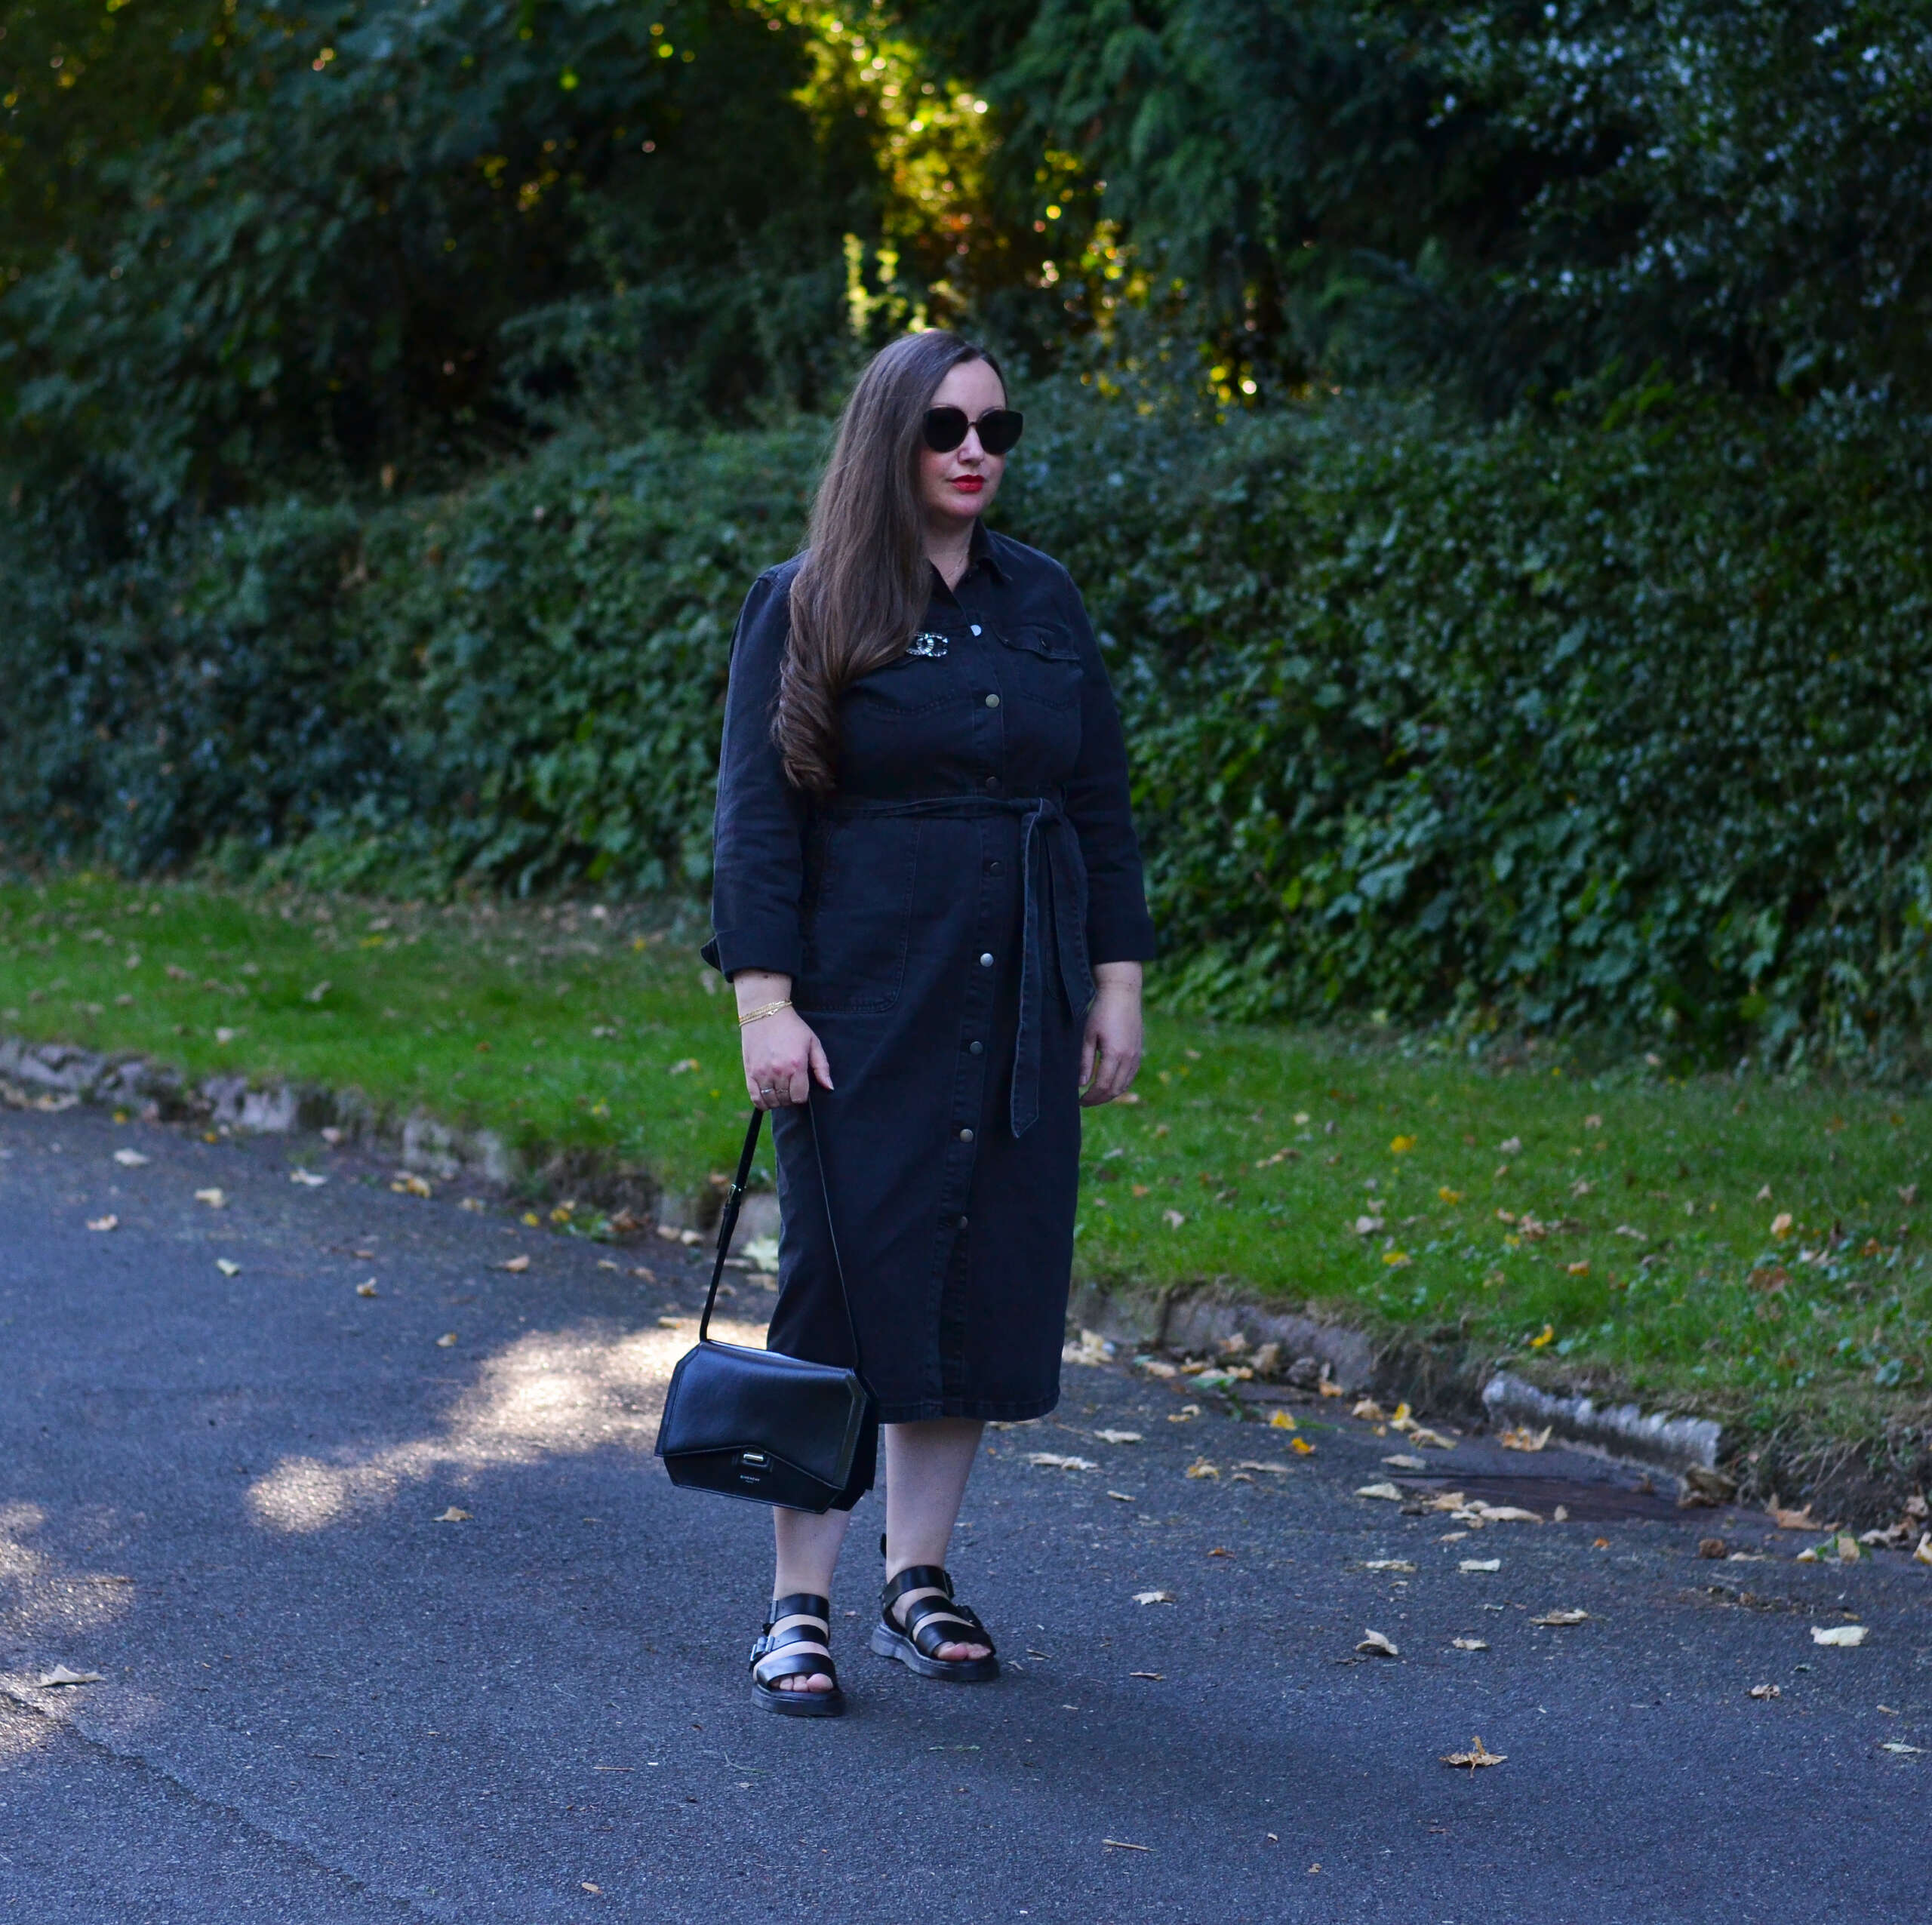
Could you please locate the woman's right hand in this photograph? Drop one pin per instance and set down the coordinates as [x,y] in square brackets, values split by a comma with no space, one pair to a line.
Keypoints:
[781,1053]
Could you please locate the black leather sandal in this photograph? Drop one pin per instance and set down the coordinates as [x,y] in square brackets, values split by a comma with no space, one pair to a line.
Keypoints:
[798,1647]
[930,1622]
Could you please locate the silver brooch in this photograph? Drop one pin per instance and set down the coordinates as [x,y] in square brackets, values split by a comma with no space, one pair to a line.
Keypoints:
[927,643]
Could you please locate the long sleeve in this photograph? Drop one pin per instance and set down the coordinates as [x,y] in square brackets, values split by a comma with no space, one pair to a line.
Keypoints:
[1118,927]
[759,842]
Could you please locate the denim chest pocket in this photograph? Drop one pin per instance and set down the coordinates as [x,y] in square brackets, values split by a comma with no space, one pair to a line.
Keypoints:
[1042,664]
[925,677]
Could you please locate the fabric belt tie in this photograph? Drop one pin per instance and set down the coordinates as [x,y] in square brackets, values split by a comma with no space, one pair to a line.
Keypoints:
[1050,869]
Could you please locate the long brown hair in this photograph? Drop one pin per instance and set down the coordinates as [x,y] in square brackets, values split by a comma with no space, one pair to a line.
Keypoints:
[858,595]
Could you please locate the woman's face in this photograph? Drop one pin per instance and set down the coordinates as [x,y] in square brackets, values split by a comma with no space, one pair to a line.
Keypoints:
[955,487]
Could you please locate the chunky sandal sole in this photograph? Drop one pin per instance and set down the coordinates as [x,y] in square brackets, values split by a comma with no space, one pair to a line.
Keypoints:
[896,1645]
[799,1704]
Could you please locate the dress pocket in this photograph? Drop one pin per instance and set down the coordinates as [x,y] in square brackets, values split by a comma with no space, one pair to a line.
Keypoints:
[912,684]
[1042,665]
[858,919]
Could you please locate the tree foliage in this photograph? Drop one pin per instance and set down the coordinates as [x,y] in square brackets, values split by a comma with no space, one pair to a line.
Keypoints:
[1508,196]
[390,229]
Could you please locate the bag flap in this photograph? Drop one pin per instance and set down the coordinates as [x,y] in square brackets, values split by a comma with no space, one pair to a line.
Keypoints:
[724,1396]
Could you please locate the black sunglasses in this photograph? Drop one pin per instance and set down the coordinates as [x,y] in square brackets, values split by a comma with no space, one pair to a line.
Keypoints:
[999,429]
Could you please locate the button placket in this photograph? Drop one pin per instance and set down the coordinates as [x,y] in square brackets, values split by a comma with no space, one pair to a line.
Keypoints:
[969,1086]
[970,1073]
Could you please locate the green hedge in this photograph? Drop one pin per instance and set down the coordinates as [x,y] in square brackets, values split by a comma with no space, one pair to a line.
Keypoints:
[1626,721]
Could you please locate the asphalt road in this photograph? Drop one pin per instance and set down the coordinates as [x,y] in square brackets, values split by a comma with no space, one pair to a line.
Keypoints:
[321,1703]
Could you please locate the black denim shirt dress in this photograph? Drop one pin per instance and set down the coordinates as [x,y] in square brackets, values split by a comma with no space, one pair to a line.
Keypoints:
[940,918]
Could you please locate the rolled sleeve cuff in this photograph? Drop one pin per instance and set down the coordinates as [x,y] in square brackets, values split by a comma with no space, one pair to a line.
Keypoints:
[776,948]
[1120,935]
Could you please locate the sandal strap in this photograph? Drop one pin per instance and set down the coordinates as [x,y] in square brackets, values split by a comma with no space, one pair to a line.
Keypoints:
[932,1622]
[793,1634]
[915,1577]
[800,1604]
[775,1664]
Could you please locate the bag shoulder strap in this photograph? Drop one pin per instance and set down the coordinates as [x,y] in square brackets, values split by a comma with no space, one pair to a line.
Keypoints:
[727,1222]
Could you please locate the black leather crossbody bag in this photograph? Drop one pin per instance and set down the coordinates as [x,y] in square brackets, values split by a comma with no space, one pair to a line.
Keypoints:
[752,1423]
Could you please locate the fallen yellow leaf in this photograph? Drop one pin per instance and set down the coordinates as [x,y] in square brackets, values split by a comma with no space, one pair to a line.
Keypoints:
[1401,1145]
[1301,1446]
[1544,1337]
[1281,1421]
[1521,1437]
[1478,1753]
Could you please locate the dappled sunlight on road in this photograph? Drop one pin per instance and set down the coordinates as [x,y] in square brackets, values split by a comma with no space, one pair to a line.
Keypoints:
[548,1394]
[39,1595]
[43,1604]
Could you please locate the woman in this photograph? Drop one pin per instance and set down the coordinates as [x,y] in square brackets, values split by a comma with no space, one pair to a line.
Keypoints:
[928,901]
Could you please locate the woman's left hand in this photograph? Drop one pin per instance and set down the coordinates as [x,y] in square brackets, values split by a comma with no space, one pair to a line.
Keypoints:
[1110,1052]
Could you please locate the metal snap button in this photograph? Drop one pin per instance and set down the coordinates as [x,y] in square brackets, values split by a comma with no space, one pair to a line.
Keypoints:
[974,626]
[965,1136]
[992,782]
[986,960]
[992,701]
[976,1049]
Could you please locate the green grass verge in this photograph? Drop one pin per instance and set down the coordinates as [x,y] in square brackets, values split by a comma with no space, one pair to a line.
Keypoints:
[1747,1245]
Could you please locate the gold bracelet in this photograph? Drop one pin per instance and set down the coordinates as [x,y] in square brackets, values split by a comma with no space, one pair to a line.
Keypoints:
[769,1009]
